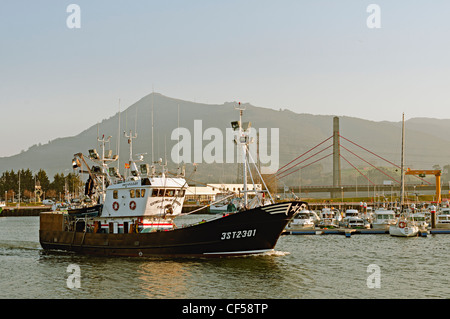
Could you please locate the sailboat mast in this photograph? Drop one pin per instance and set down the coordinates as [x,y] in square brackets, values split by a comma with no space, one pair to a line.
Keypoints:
[402,180]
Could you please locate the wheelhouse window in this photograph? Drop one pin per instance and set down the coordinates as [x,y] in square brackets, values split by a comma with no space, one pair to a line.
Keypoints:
[170,192]
[180,192]
[143,192]
[116,194]
[161,192]
[132,193]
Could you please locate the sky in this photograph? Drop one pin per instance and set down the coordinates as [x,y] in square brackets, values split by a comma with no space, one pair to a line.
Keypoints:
[317,57]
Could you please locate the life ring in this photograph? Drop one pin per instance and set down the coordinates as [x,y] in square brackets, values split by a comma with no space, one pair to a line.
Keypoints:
[115,205]
[168,210]
[133,205]
[402,224]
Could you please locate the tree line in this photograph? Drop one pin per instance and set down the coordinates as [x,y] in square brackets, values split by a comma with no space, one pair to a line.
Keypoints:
[24,183]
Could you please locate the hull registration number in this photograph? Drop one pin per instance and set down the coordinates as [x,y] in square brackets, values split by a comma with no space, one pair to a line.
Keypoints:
[238,234]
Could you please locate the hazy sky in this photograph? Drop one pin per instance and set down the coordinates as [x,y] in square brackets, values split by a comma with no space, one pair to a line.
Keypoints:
[314,56]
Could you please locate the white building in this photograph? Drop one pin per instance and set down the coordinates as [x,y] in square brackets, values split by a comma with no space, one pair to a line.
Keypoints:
[206,194]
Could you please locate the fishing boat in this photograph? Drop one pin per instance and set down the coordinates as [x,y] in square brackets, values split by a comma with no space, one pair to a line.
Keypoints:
[405,225]
[302,220]
[135,216]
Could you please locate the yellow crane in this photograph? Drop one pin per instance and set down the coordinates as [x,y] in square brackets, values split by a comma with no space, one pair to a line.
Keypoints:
[423,173]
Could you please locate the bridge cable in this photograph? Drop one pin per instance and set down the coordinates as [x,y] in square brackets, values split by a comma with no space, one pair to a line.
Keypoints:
[357,170]
[284,171]
[279,177]
[370,164]
[382,158]
[304,154]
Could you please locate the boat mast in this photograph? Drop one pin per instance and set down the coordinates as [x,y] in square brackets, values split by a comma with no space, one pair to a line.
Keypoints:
[131,163]
[244,155]
[243,141]
[402,180]
[103,160]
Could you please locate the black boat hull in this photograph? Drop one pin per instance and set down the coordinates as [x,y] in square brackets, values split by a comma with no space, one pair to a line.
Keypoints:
[253,231]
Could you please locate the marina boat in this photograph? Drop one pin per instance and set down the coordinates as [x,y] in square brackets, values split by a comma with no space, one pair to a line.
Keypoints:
[383,219]
[353,220]
[315,217]
[135,216]
[405,226]
[329,218]
[443,218]
[302,220]
[420,219]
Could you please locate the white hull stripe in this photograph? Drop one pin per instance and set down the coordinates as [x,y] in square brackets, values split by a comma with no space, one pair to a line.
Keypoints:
[240,252]
[279,209]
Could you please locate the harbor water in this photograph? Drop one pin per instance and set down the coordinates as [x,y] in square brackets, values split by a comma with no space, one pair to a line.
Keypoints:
[302,266]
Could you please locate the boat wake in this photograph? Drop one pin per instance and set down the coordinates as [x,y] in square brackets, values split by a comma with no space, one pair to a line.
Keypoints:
[30,245]
[277,253]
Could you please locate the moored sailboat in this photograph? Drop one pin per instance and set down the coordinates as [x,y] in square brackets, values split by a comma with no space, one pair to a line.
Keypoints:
[405,225]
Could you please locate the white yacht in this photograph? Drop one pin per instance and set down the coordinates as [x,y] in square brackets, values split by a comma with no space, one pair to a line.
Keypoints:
[354,220]
[303,220]
[420,219]
[443,218]
[329,218]
[383,219]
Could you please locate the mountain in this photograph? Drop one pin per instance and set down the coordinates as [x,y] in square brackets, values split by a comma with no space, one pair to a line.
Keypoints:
[426,139]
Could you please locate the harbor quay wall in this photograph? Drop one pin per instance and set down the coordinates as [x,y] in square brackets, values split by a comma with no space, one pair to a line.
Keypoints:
[23,211]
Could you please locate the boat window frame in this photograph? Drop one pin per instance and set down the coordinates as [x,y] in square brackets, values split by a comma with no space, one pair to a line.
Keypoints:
[115,194]
[132,193]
